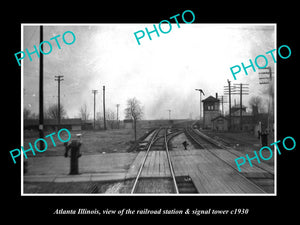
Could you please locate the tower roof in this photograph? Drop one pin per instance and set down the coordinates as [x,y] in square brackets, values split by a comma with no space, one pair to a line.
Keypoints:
[211,99]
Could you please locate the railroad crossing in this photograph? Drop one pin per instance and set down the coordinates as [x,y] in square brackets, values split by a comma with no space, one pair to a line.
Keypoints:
[210,169]
[159,165]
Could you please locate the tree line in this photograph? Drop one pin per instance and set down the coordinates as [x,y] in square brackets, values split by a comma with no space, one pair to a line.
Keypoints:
[133,111]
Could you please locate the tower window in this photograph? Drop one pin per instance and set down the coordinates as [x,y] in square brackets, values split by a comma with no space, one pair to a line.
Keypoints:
[210,107]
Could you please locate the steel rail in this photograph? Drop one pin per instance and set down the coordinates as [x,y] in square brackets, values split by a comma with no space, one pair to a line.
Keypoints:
[170,163]
[153,140]
[211,152]
[193,137]
[197,135]
[143,163]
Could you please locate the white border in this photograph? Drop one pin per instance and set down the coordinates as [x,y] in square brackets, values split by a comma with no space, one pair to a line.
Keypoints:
[22,112]
[133,195]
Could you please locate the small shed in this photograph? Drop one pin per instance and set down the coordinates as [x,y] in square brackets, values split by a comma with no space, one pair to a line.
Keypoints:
[220,123]
[128,123]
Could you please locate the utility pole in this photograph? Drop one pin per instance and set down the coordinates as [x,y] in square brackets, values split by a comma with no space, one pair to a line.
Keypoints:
[118,116]
[104,120]
[94,92]
[222,99]
[241,89]
[241,106]
[41,94]
[200,92]
[169,113]
[58,79]
[267,79]
[227,90]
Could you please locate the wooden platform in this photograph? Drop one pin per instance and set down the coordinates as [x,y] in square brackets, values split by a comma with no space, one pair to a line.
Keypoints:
[209,173]
[100,167]
[156,165]
[258,170]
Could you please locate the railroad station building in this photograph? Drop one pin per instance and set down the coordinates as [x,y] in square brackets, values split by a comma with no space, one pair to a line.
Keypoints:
[213,118]
[247,123]
[220,123]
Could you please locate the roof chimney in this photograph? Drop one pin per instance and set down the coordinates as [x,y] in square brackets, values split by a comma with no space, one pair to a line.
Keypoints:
[216,95]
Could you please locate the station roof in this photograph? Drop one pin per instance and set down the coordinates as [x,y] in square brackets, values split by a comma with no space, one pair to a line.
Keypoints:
[220,117]
[211,99]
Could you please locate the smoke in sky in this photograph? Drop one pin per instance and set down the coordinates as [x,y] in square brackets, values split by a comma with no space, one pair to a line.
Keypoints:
[161,73]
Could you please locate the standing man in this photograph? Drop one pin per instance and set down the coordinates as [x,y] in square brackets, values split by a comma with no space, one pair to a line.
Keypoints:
[185,144]
[264,138]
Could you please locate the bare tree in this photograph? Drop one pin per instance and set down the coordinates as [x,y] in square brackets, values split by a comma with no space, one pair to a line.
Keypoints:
[26,113]
[133,111]
[52,112]
[83,112]
[110,117]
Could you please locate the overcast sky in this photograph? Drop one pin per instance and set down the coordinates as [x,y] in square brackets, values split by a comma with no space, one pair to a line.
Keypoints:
[162,73]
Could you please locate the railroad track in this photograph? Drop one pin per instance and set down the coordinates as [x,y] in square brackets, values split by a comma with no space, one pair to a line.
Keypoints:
[158,142]
[209,145]
[200,141]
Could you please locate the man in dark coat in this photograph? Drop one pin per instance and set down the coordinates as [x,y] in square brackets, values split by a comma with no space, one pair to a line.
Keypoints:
[185,144]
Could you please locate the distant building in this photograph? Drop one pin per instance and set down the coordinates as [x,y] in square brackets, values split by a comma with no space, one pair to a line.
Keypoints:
[128,123]
[220,123]
[211,110]
[247,119]
[247,123]
[235,110]
[51,124]
[213,119]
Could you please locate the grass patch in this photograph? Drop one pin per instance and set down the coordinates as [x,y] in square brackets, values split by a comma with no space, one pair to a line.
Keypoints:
[93,142]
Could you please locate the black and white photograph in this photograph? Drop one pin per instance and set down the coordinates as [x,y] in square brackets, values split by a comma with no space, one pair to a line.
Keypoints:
[126,115]
[150,111]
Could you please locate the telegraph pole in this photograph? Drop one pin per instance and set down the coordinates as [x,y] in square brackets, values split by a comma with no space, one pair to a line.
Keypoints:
[118,116]
[94,92]
[200,92]
[241,106]
[222,99]
[227,90]
[267,80]
[169,113]
[241,89]
[104,120]
[58,79]
[41,94]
